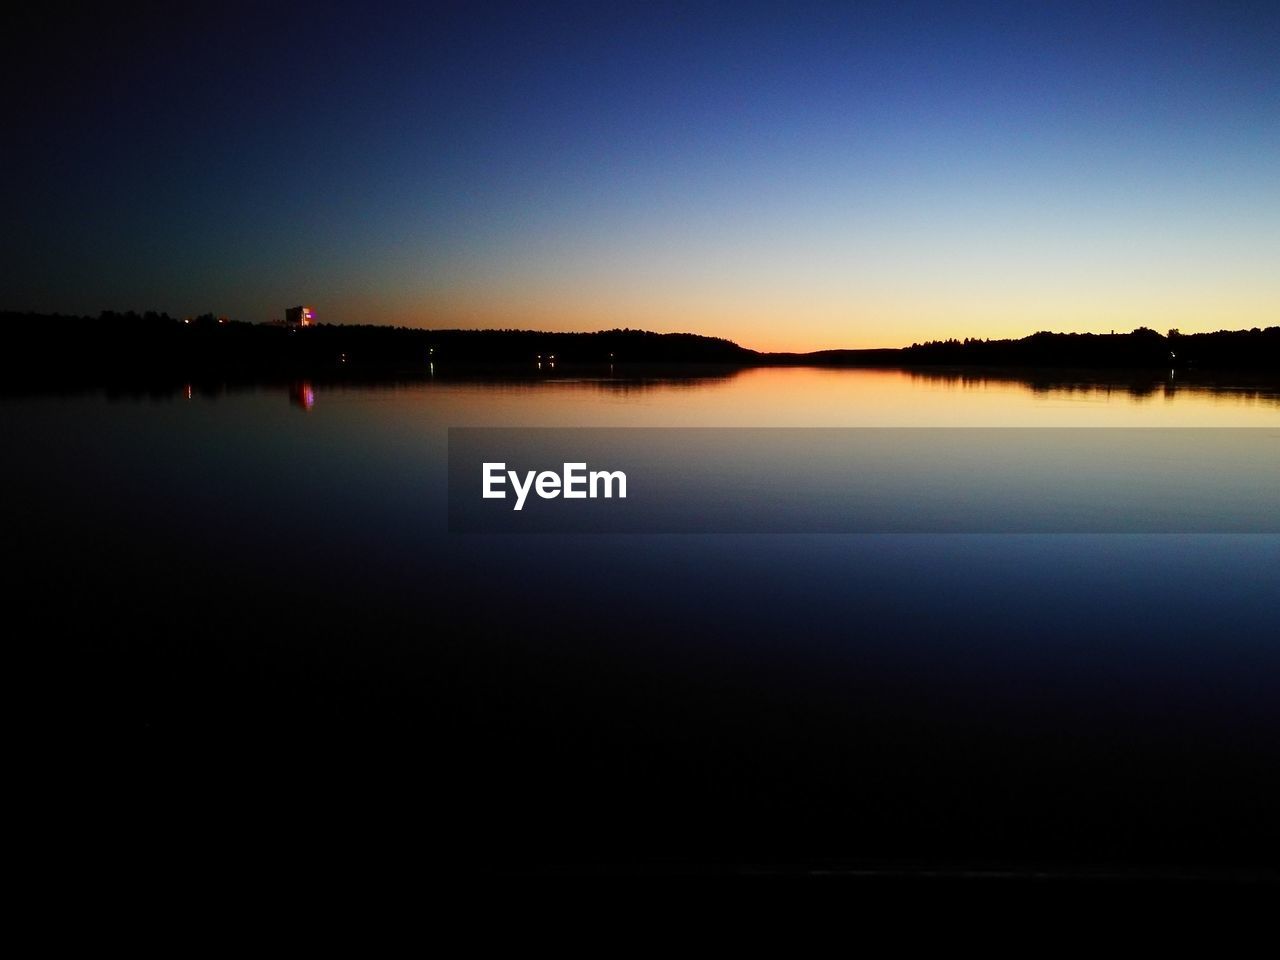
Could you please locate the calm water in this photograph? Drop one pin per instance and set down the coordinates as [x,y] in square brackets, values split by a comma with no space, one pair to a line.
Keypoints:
[262,639]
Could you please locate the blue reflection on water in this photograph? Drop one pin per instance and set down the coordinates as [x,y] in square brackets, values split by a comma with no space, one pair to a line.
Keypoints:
[1106,697]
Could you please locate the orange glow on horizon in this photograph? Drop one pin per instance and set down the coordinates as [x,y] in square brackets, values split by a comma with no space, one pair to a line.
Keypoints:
[767,330]
[817,397]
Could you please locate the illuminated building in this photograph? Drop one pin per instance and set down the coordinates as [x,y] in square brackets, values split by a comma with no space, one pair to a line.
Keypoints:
[299,317]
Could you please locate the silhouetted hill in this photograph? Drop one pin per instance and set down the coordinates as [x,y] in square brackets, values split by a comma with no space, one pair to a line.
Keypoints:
[42,347]
[1141,349]
[115,344]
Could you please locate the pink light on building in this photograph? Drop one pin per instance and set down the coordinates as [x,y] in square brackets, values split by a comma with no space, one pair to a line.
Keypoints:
[299,317]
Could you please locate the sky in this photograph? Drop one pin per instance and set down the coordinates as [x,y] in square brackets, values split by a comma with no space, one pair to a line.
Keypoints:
[791,176]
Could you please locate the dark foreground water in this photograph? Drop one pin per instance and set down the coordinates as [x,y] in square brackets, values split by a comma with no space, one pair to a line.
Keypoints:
[262,648]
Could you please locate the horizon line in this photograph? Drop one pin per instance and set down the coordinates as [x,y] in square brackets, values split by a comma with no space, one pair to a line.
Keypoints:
[679,333]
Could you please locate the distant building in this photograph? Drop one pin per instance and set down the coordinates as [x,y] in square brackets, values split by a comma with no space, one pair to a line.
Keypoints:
[299,317]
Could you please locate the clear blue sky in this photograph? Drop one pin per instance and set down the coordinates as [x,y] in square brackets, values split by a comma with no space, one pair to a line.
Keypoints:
[788,175]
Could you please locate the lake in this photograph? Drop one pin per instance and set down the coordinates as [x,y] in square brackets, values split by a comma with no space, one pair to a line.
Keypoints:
[259,635]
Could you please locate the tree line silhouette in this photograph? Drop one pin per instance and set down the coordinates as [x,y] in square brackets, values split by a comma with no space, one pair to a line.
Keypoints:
[115,344]
[118,345]
[1141,349]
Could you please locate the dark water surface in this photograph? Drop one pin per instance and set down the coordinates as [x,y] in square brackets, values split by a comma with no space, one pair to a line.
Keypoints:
[263,642]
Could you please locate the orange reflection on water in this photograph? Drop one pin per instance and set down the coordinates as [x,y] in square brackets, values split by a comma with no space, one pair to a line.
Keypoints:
[817,397]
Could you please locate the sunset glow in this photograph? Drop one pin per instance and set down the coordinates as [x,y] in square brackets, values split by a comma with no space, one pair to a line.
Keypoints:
[856,176]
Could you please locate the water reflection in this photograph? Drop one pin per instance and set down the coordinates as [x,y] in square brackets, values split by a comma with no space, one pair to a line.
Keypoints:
[302,394]
[1135,384]
[1010,697]
[706,395]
